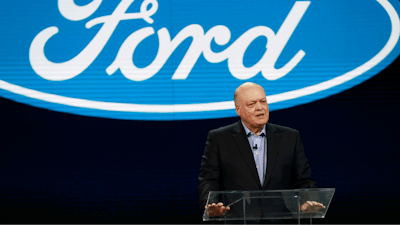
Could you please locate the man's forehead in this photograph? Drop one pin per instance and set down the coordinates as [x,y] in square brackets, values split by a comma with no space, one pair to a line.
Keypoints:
[253,91]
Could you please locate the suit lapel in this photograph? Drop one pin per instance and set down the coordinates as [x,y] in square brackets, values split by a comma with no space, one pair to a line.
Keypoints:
[272,151]
[239,135]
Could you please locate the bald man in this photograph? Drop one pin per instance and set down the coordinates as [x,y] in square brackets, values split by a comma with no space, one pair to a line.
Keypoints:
[253,154]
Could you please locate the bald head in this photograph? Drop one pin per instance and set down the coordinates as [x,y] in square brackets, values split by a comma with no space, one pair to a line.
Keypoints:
[243,87]
[251,105]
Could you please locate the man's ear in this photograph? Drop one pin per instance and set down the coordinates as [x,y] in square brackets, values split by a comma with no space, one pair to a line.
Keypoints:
[237,110]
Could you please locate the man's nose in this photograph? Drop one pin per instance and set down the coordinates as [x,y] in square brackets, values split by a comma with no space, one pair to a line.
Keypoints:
[258,106]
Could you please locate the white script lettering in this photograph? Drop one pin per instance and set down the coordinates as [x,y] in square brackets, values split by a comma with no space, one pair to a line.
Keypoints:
[201,43]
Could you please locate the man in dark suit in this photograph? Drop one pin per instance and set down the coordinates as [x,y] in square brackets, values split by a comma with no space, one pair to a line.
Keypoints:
[253,154]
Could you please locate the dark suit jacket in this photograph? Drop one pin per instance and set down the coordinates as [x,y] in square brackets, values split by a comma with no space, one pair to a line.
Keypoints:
[228,162]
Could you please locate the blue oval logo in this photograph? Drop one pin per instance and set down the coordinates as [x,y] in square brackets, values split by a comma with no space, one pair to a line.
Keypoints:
[177,60]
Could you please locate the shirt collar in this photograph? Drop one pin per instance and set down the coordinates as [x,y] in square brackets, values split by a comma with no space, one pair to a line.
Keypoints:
[249,132]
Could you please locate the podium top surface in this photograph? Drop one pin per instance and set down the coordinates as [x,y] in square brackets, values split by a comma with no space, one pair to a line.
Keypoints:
[269,204]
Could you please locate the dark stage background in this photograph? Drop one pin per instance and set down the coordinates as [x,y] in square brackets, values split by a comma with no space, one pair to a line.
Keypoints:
[64,168]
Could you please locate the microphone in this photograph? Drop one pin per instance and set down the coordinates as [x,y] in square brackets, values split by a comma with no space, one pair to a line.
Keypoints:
[255,147]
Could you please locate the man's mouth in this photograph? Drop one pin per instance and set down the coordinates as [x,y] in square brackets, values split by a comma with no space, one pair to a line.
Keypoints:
[260,115]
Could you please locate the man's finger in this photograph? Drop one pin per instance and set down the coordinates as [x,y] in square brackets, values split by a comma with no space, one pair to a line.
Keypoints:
[314,203]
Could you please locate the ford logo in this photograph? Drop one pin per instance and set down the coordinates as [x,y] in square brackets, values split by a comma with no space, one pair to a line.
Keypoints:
[177,60]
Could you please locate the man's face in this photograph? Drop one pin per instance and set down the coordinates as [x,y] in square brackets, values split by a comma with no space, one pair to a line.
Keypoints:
[253,110]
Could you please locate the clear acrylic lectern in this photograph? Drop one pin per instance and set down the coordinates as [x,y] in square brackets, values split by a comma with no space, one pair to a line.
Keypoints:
[265,205]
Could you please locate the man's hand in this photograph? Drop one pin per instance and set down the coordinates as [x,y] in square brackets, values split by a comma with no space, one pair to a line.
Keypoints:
[216,209]
[311,207]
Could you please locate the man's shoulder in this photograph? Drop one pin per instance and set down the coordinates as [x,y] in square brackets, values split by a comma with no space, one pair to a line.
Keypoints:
[280,129]
[227,129]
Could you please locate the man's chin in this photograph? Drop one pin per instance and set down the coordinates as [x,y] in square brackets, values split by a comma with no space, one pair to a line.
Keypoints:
[261,121]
